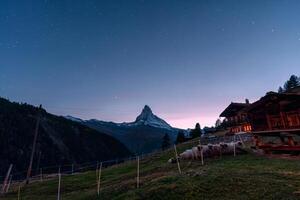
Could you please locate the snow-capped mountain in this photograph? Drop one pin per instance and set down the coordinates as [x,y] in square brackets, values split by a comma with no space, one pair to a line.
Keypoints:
[149,119]
[145,118]
[143,135]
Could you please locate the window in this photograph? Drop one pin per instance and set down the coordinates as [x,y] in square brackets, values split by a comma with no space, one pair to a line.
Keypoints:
[293,120]
[247,128]
[276,122]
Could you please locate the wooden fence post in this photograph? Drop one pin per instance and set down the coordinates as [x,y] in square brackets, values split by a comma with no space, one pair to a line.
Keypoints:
[33,145]
[19,192]
[176,155]
[6,178]
[202,159]
[234,153]
[138,172]
[97,170]
[99,179]
[59,180]
[72,169]
[201,153]
[9,182]
[41,174]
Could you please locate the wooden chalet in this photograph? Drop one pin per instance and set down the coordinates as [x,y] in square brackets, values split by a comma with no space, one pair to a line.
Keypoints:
[275,112]
[275,121]
[236,118]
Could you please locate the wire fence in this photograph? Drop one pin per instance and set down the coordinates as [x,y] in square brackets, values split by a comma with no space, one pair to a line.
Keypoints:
[51,172]
[76,168]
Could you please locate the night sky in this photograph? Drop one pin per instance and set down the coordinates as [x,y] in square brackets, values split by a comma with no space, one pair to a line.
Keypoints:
[106,59]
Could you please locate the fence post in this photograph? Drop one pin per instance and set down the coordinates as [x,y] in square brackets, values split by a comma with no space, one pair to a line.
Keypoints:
[138,172]
[41,174]
[19,192]
[201,152]
[6,178]
[99,179]
[97,170]
[33,145]
[72,169]
[59,180]
[234,153]
[9,182]
[176,155]
[202,159]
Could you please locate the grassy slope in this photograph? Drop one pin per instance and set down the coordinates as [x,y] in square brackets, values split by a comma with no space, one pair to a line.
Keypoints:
[242,177]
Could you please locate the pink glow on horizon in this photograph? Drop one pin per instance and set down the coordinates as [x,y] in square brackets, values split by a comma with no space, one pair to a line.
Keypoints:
[189,121]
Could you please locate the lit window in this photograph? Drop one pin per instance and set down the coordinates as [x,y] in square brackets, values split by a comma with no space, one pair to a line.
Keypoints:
[293,120]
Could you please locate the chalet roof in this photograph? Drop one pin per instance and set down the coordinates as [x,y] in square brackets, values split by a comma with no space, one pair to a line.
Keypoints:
[274,97]
[233,109]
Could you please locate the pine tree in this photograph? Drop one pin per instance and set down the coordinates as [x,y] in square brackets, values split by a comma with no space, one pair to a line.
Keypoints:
[291,83]
[180,137]
[197,131]
[218,123]
[280,90]
[166,143]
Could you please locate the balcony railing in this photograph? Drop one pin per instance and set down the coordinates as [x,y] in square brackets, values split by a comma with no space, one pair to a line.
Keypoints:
[238,122]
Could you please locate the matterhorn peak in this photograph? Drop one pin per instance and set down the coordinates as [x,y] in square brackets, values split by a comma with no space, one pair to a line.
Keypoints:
[148,118]
[147,109]
[145,114]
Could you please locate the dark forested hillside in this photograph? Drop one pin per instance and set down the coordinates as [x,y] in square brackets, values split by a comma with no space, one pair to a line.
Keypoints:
[60,141]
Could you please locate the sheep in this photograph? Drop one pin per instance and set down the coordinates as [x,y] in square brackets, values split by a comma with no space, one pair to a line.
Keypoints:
[211,150]
[187,155]
[196,153]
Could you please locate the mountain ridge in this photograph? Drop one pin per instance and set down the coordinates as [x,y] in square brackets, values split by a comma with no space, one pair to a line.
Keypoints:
[141,136]
[146,117]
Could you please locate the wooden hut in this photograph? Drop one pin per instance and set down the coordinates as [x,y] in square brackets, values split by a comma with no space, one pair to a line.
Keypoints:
[236,118]
[275,111]
[275,121]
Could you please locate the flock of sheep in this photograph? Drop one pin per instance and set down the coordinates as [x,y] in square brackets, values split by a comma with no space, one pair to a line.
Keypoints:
[211,150]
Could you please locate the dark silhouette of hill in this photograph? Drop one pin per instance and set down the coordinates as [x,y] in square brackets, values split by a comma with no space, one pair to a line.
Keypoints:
[60,141]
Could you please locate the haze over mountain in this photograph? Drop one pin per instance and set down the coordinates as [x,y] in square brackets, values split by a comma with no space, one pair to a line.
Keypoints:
[141,136]
[60,141]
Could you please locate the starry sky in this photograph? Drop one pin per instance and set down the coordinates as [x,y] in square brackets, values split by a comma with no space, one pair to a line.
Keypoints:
[106,59]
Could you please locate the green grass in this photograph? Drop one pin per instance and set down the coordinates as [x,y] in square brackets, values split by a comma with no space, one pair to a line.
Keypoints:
[242,177]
